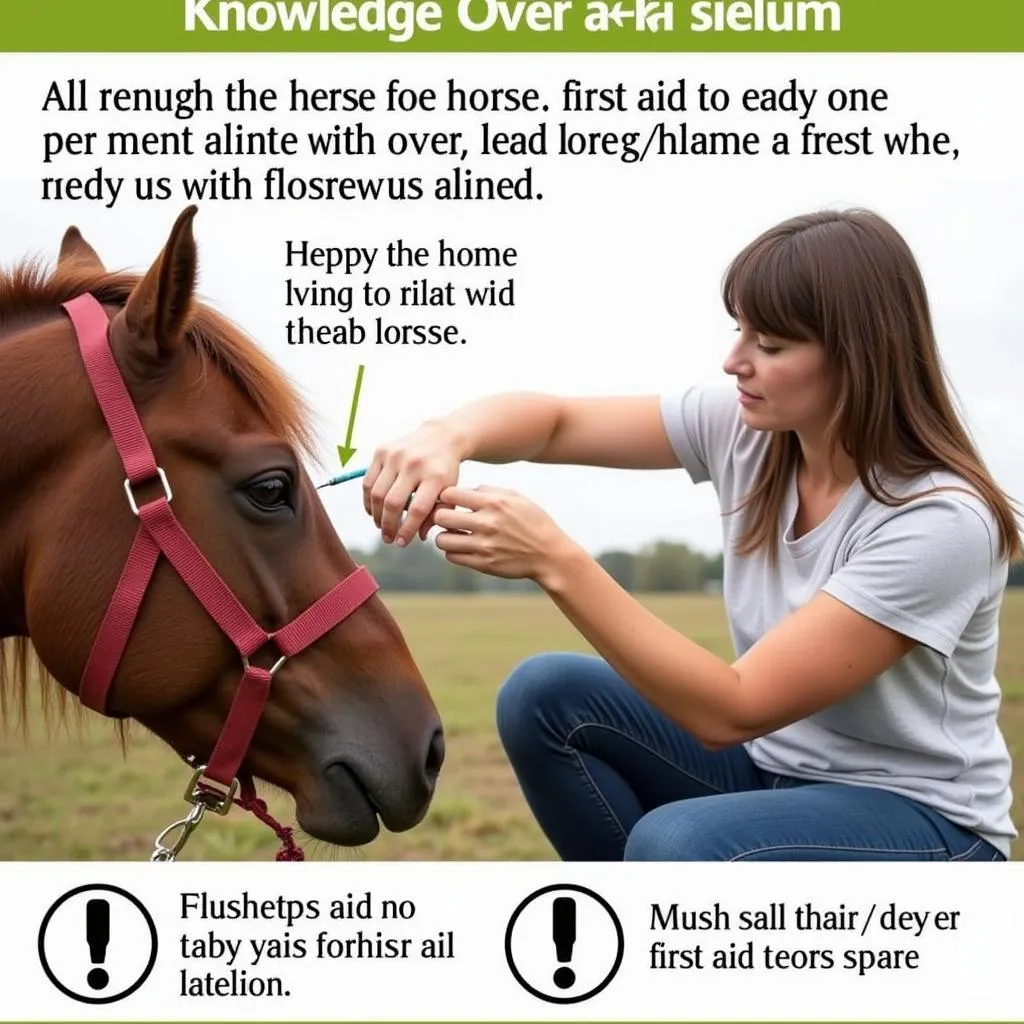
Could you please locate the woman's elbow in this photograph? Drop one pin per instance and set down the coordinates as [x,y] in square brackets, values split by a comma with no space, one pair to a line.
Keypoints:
[724,733]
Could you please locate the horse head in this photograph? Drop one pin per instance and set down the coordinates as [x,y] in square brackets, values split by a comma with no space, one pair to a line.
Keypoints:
[344,721]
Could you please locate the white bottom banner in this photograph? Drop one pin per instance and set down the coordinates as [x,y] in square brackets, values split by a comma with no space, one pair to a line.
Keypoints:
[512,941]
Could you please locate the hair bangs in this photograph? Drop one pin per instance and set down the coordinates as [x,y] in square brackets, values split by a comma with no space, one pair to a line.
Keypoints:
[769,287]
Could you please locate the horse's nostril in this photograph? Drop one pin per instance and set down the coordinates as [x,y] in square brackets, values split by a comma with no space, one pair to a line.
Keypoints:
[435,754]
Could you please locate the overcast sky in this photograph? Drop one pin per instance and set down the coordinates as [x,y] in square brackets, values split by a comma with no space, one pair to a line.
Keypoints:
[617,282]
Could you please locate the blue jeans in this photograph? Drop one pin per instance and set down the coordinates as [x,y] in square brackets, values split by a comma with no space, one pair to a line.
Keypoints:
[609,777]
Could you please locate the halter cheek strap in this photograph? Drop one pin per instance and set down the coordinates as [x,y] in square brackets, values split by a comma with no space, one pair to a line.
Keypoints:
[161,533]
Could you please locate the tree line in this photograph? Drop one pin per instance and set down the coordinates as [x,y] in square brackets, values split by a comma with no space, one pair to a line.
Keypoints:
[662,567]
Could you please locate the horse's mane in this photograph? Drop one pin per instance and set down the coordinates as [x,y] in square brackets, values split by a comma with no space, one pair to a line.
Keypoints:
[28,290]
[27,293]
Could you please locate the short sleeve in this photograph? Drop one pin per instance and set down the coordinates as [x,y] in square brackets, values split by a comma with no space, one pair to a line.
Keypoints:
[923,571]
[701,424]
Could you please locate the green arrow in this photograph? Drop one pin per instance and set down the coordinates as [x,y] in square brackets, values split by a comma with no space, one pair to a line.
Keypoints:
[346,451]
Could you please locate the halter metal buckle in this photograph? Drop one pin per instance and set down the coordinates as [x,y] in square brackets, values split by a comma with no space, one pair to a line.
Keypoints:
[168,494]
[212,795]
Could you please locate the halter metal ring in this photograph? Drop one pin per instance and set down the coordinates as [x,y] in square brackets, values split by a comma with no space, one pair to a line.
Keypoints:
[163,482]
[273,668]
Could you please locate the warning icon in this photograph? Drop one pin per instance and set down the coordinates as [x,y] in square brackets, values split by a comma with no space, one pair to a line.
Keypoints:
[564,943]
[97,943]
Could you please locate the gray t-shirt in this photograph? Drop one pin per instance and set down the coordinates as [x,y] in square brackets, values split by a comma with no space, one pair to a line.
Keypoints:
[927,727]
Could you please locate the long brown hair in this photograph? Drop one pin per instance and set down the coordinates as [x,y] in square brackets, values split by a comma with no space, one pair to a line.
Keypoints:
[849,280]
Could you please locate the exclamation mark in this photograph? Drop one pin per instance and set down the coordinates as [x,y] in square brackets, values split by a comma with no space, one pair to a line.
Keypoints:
[563,932]
[97,934]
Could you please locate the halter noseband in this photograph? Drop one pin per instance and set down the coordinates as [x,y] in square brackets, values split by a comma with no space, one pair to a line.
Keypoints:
[214,784]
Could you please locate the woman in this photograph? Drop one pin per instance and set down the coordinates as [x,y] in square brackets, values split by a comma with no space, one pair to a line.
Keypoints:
[866,553]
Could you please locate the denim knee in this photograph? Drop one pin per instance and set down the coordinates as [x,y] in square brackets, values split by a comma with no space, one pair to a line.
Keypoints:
[535,687]
[666,833]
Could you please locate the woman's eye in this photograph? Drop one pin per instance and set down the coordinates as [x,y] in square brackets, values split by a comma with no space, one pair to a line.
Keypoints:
[269,493]
[767,349]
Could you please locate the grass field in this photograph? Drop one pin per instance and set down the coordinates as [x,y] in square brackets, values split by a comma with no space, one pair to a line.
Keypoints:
[72,795]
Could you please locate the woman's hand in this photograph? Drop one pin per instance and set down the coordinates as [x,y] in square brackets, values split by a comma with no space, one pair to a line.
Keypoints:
[501,533]
[425,461]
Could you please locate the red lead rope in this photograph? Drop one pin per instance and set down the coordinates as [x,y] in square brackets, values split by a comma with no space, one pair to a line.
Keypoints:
[249,801]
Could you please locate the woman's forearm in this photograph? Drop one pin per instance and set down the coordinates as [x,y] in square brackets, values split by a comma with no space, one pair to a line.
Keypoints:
[625,431]
[501,428]
[698,690]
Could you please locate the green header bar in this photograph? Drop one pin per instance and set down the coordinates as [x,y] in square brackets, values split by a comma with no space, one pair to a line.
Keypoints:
[468,26]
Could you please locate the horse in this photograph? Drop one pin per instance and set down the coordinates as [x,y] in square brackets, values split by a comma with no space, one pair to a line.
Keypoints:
[165,557]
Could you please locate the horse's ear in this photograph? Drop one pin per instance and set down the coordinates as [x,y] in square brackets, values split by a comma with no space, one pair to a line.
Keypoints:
[75,249]
[160,305]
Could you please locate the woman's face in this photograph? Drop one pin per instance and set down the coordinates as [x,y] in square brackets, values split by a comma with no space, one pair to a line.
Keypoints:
[783,384]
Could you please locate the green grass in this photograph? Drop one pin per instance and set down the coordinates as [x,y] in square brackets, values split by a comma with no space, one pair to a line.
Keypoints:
[72,794]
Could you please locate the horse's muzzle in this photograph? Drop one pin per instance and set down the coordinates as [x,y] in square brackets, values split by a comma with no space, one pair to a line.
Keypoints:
[360,791]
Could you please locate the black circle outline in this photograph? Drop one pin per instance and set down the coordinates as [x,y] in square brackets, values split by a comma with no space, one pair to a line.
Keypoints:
[618,931]
[45,963]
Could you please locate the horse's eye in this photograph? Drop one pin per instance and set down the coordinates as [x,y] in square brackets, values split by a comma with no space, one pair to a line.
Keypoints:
[270,492]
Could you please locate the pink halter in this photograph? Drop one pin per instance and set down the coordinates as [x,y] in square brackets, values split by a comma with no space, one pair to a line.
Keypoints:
[161,532]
